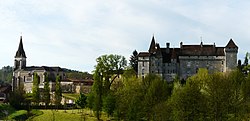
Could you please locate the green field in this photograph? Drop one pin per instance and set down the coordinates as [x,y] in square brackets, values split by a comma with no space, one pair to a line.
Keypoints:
[69,115]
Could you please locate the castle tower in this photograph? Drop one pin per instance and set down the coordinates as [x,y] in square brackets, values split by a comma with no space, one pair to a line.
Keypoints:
[231,51]
[20,57]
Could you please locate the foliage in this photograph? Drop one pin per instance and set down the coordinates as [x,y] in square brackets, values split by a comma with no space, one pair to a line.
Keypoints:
[188,103]
[134,61]
[35,88]
[6,74]
[107,66]
[46,90]
[58,91]
[81,101]
[90,100]
[19,115]
[17,97]
[5,109]
[109,104]
[78,75]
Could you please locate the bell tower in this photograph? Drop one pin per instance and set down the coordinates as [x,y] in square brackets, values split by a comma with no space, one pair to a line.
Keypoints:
[20,57]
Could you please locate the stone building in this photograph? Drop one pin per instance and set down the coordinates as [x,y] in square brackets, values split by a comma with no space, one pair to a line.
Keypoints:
[187,59]
[23,75]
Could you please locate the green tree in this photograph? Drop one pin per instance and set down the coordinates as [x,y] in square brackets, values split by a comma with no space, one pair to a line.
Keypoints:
[134,61]
[58,91]
[189,103]
[46,91]
[108,68]
[35,89]
[81,101]
[17,97]
[98,94]
[109,104]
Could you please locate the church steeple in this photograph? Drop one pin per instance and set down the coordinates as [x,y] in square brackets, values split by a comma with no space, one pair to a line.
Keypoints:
[20,52]
[20,57]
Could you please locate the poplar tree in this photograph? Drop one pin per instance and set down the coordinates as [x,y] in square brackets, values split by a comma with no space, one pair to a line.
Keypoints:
[46,91]
[58,91]
[35,89]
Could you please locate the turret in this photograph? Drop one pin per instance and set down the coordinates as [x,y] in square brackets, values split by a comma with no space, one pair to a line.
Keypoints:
[231,51]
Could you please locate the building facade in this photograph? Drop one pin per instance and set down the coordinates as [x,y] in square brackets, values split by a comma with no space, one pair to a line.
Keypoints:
[186,60]
[23,75]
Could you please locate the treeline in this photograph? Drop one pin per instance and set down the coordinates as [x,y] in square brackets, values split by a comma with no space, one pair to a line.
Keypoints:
[204,96]
[6,75]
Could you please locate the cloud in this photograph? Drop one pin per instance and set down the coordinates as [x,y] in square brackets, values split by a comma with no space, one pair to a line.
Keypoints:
[73,34]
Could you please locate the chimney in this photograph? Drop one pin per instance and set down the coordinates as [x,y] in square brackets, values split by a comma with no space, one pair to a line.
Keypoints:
[167,44]
[181,45]
[167,49]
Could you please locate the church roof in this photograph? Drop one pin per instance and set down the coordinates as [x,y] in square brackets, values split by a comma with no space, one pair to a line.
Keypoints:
[20,52]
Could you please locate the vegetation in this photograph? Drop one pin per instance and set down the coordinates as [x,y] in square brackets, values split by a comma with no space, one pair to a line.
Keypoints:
[69,115]
[134,61]
[35,89]
[6,75]
[58,91]
[46,91]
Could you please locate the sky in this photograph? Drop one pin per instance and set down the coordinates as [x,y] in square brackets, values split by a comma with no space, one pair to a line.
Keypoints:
[73,33]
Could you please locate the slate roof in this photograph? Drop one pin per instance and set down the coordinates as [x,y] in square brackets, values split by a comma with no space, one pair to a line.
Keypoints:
[231,44]
[20,52]
[144,54]
[45,68]
[201,50]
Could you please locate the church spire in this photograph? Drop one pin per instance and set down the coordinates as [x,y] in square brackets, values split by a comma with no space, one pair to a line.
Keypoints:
[20,52]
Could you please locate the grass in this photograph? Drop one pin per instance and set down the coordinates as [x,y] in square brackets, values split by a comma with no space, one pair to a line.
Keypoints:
[69,115]
[73,96]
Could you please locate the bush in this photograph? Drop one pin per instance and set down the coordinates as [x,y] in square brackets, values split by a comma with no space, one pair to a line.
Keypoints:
[19,115]
[5,108]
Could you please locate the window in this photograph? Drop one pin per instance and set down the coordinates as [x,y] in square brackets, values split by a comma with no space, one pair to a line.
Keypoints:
[143,63]
[142,71]
[222,62]
[188,64]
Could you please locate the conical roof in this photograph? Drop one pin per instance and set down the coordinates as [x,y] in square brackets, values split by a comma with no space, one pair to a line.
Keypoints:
[152,46]
[231,44]
[20,52]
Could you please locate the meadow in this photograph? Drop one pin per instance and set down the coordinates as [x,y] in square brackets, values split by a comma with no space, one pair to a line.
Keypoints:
[67,115]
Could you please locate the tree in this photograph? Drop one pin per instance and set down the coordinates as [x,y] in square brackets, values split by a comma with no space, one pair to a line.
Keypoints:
[107,69]
[81,101]
[109,104]
[17,97]
[58,91]
[188,102]
[98,94]
[46,91]
[35,89]
[134,61]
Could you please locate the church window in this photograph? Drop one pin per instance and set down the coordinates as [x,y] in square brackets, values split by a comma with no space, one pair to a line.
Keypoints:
[142,71]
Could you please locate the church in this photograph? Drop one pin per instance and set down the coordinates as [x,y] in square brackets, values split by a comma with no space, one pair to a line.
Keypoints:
[23,75]
[186,60]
